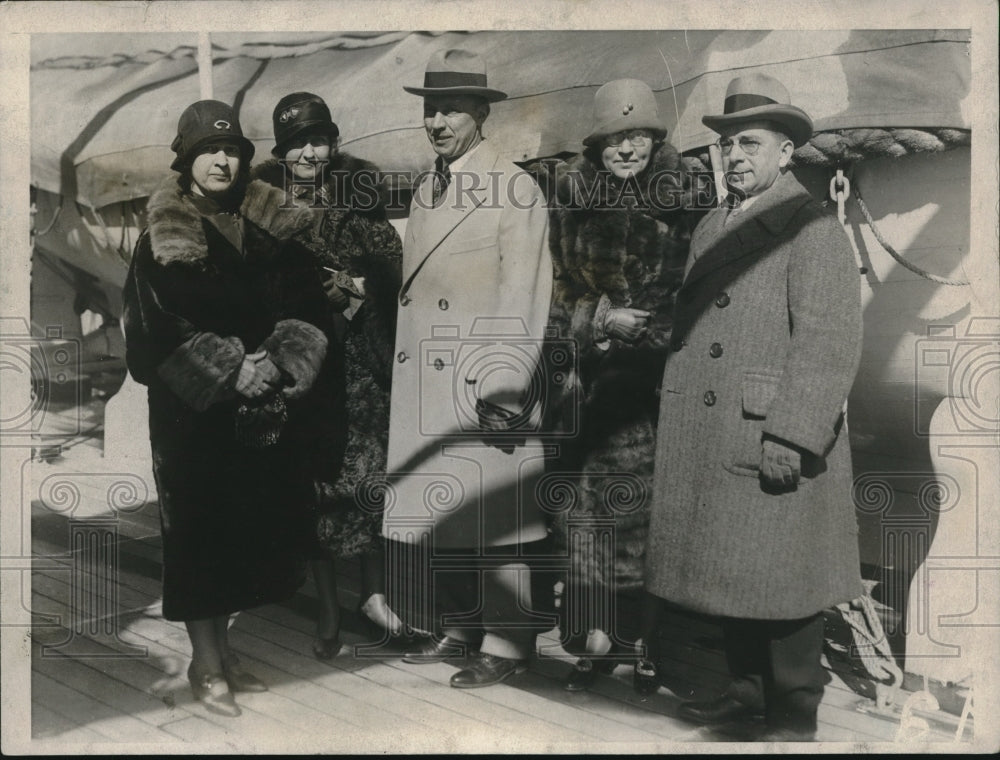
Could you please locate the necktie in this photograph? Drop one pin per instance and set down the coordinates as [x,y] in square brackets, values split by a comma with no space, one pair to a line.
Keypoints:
[442,178]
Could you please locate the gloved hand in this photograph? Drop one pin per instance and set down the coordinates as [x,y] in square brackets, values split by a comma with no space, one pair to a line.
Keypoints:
[258,376]
[780,464]
[496,419]
[626,324]
[336,296]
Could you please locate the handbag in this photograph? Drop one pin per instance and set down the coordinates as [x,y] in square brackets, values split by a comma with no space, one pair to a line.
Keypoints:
[259,422]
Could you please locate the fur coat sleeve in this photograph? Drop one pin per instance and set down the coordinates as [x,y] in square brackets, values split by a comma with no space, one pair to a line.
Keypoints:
[616,245]
[193,305]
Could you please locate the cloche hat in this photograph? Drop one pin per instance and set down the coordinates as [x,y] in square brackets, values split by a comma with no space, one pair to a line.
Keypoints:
[203,122]
[297,113]
[756,97]
[624,104]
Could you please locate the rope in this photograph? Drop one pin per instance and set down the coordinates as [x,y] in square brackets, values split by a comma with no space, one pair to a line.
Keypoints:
[847,146]
[892,251]
[873,647]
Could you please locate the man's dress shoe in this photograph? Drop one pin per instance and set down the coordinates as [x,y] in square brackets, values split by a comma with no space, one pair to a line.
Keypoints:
[486,670]
[718,711]
[431,649]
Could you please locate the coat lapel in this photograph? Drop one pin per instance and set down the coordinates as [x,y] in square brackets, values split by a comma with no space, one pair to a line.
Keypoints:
[719,244]
[430,226]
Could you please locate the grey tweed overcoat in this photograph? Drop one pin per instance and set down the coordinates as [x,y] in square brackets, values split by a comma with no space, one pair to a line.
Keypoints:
[766,340]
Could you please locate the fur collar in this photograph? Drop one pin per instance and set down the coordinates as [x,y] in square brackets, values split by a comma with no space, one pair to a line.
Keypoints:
[176,232]
[273,173]
[576,179]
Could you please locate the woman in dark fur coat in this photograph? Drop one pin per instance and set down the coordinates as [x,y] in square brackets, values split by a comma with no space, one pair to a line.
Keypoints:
[618,245]
[225,323]
[358,254]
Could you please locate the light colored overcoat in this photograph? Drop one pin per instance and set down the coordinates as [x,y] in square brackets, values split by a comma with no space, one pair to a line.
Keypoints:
[477,284]
[767,339]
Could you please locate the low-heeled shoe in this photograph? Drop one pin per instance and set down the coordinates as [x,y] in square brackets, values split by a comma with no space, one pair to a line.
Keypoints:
[645,677]
[486,670]
[431,649]
[212,690]
[240,680]
[725,709]
[585,672]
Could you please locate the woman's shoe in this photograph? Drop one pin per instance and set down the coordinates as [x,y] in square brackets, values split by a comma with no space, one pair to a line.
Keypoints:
[212,690]
[326,649]
[378,611]
[646,678]
[582,676]
[238,679]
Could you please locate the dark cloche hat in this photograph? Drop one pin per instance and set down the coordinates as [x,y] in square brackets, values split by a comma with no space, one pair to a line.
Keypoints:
[297,113]
[203,122]
[758,97]
[456,72]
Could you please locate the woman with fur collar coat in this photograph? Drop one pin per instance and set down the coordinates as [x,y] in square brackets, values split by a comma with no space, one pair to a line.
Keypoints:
[619,244]
[225,324]
[358,254]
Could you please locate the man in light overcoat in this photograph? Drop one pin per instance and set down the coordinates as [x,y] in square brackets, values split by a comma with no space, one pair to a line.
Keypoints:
[752,514]
[463,460]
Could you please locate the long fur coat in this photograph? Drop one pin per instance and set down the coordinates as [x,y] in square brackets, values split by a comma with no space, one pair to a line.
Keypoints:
[354,237]
[233,516]
[612,246]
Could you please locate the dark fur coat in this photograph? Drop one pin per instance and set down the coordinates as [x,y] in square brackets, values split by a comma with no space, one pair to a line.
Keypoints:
[355,237]
[613,245]
[234,517]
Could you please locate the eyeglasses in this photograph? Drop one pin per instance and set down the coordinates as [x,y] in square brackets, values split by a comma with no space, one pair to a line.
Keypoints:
[632,135]
[748,145]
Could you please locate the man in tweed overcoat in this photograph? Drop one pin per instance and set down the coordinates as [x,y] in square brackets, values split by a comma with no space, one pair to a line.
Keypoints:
[752,515]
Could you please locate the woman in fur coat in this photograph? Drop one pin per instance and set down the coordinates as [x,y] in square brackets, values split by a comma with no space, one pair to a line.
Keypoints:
[358,254]
[225,324]
[618,246]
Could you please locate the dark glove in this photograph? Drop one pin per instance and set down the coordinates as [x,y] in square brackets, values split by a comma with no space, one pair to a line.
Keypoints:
[780,464]
[626,324]
[495,419]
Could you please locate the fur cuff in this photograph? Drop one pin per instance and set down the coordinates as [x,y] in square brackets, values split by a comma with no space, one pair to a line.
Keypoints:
[298,349]
[201,370]
[601,339]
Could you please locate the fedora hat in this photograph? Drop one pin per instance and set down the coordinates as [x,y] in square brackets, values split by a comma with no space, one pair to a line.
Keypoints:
[297,113]
[456,72]
[756,97]
[624,104]
[203,122]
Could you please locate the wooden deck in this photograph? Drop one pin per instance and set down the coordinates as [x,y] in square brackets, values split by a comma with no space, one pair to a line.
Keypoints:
[111,672]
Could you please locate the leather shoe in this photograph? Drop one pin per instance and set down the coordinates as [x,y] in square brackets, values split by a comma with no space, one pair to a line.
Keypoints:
[238,679]
[787,735]
[326,649]
[585,672]
[212,690]
[725,709]
[486,670]
[645,677]
[432,649]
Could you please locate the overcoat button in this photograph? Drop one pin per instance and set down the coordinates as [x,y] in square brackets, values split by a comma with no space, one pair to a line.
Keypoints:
[709,398]
[715,350]
[405,300]
[401,357]
[443,305]
[722,301]
[438,364]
